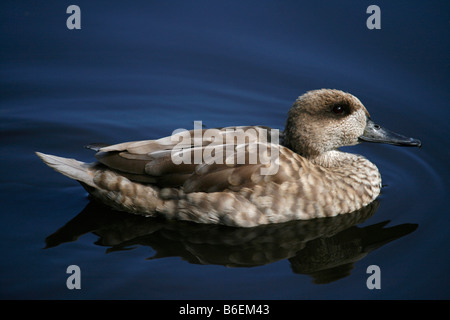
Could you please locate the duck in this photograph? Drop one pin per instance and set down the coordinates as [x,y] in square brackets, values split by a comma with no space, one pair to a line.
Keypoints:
[244,176]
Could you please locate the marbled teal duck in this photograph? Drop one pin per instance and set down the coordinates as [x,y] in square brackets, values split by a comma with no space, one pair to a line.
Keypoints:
[204,177]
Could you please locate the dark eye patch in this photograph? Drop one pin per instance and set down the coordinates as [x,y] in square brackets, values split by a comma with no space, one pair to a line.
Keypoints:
[340,109]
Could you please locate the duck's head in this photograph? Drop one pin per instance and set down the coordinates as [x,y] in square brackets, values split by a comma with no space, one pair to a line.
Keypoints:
[324,120]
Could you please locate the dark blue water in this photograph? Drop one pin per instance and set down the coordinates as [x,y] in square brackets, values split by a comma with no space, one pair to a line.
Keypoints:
[142,69]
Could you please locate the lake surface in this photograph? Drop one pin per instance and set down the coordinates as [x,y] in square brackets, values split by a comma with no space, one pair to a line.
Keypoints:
[143,69]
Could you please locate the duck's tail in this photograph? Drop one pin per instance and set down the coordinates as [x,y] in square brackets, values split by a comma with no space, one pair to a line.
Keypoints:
[107,186]
[71,168]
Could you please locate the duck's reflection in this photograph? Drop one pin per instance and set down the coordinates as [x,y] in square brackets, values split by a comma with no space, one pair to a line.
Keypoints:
[325,249]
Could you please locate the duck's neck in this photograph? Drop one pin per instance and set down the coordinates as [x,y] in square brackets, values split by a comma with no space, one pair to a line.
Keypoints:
[334,158]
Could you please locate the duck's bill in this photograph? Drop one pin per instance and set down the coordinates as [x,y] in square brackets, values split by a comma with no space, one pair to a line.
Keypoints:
[376,133]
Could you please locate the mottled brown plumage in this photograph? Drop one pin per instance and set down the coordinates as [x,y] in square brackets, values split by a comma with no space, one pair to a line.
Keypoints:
[228,186]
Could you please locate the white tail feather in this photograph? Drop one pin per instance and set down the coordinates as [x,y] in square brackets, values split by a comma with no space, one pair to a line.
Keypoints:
[69,167]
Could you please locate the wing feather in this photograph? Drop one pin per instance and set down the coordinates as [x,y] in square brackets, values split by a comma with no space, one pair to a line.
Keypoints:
[226,161]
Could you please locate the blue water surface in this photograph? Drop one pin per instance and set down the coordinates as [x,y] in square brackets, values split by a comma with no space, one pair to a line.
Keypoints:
[141,69]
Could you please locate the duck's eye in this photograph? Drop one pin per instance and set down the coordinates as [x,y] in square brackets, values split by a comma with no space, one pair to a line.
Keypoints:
[338,109]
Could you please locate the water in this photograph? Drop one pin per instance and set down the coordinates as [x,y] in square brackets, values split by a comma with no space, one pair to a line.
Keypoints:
[141,70]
